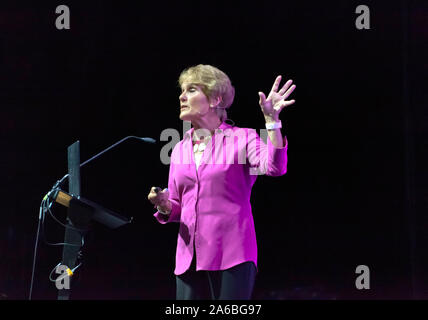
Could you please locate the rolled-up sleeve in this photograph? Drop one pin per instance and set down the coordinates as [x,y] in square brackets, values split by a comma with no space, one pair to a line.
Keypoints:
[266,158]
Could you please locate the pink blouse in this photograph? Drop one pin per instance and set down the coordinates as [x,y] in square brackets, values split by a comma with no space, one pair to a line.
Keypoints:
[212,202]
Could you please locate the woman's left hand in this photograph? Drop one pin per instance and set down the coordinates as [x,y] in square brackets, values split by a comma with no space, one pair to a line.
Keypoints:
[276,100]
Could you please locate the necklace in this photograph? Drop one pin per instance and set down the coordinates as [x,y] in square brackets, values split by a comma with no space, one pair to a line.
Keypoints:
[200,145]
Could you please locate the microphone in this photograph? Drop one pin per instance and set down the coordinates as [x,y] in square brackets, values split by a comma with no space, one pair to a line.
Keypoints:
[149,140]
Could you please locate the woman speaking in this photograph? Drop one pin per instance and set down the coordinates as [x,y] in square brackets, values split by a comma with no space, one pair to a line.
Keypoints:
[212,171]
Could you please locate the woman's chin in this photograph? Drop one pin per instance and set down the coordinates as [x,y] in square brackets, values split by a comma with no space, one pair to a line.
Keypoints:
[185,117]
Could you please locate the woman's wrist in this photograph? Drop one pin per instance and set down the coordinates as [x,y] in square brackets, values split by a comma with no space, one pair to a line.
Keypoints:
[165,209]
[271,119]
[272,123]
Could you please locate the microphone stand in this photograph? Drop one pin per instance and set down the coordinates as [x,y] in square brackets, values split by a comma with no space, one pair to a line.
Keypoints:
[80,211]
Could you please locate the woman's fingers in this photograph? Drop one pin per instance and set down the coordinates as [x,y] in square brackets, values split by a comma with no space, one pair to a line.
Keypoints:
[289,91]
[153,195]
[158,196]
[262,98]
[284,104]
[276,84]
[285,87]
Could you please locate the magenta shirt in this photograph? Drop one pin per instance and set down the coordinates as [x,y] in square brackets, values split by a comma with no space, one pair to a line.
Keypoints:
[212,203]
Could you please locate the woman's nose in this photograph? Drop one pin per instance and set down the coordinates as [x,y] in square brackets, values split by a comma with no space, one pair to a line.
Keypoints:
[182,97]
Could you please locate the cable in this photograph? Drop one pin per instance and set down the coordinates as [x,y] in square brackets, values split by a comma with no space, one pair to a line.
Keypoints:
[50,274]
[65,226]
[69,272]
[35,253]
[45,206]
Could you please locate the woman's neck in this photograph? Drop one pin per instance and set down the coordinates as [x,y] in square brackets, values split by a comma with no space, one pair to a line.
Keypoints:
[201,127]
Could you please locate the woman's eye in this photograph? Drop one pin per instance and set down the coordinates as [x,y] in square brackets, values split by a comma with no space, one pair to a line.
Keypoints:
[191,89]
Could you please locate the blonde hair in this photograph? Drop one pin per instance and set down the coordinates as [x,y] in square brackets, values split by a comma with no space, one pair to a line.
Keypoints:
[214,83]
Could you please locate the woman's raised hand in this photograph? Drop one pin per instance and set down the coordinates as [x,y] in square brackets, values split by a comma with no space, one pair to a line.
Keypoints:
[276,100]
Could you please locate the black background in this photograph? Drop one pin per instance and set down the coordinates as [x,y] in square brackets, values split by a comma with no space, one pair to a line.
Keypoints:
[351,195]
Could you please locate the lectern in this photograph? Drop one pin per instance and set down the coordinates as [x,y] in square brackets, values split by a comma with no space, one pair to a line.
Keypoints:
[79,214]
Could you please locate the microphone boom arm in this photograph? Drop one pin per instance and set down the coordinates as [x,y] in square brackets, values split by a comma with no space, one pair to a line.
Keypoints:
[150,140]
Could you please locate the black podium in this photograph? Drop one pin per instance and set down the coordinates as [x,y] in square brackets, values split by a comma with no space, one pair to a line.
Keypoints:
[80,212]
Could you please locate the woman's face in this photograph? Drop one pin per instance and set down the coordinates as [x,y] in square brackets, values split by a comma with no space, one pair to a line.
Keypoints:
[193,102]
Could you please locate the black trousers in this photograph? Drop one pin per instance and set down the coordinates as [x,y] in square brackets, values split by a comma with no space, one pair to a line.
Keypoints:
[235,283]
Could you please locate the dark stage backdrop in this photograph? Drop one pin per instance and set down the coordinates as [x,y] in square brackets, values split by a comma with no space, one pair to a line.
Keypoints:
[348,198]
